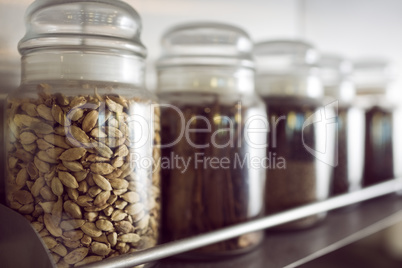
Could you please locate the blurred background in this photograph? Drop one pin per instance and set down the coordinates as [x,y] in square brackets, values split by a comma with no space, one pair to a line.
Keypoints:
[352,28]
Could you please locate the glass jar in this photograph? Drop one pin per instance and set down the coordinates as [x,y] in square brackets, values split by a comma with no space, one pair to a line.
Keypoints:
[336,75]
[9,78]
[206,88]
[301,132]
[82,144]
[372,78]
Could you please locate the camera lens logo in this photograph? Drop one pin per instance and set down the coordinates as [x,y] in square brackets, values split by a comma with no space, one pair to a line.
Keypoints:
[325,121]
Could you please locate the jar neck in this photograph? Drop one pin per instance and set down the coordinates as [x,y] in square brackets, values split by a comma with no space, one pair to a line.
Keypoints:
[343,91]
[206,79]
[377,95]
[86,66]
[289,85]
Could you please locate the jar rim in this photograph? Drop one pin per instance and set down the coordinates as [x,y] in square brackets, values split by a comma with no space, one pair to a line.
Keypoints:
[206,43]
[284,55]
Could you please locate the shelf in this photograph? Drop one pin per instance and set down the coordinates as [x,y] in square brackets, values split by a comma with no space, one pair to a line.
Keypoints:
[290,249]
[279,249]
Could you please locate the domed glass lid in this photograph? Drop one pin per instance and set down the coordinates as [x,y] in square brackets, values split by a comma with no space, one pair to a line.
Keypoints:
[204,43]
[372,74]
[101,25]
[282,56]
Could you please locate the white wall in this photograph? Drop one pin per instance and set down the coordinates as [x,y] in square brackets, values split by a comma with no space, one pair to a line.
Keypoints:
[357,29]
[12,25]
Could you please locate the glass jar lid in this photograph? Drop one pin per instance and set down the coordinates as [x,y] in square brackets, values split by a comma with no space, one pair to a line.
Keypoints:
[287,68]
[372,75]
[284,56]
[100,25]
[206,44]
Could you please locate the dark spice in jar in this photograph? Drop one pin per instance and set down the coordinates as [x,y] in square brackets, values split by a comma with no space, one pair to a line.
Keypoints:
[340,182]
[378,161]
[298,183]
[203,197]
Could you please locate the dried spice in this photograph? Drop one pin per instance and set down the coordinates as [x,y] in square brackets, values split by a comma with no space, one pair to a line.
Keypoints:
[67,182]
[298,183]
[198,196]
[379,155]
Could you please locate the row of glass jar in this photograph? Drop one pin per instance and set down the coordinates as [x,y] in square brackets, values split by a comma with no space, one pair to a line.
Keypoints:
[311,135]
[86,143]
